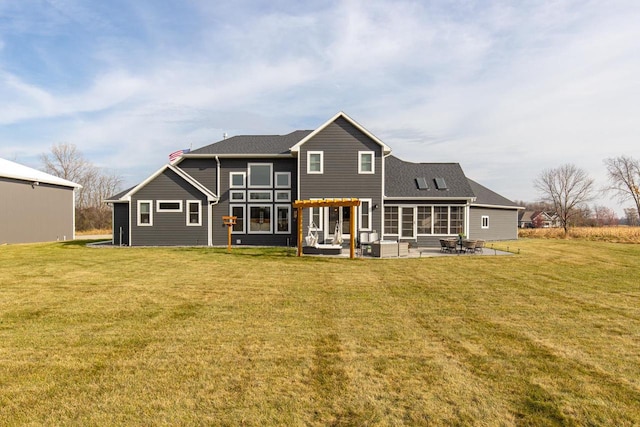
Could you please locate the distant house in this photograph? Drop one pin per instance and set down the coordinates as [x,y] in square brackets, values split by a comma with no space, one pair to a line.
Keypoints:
[257,177]
[36,206]
[538,219]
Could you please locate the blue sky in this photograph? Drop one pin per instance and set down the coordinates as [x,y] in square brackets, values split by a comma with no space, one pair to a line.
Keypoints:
[505,88]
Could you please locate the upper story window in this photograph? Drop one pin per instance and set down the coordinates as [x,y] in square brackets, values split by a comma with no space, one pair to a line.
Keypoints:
[315,162]
[145,214]
[237,179]
[283,179]
[366,162]
[260,175]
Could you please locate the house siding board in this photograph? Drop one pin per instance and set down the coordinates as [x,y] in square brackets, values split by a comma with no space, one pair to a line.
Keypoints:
[202,170]
[219,231]
[40,213]
[502,224]
[121,224]
[340,143]
[169,228]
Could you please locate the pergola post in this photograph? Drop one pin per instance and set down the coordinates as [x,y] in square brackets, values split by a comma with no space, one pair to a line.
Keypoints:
[299,230]
[352,232]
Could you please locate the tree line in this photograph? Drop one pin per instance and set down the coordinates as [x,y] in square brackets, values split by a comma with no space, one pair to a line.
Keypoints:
[67,162]
[567,190]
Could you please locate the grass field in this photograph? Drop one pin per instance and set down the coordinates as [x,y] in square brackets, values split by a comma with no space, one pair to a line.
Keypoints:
[178,336]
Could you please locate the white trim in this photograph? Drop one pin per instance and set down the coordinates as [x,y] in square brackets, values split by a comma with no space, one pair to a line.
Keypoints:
[288,208]
[285,192]
[287,174]
[296,147]
[414,231]
[309,154]
[244,218]
[373,162]
[249,165]
[159,209]
[189,203]
[270,207]
[384,225]
[244,179]
[363,226]
[150,224]
[241,192]
[209,216]
[482,222]
[476,205]
[252,192]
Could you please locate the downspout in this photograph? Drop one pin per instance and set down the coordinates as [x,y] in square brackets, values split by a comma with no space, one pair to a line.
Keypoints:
[210,219]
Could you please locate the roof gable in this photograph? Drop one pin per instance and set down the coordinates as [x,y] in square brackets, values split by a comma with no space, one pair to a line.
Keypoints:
[13,170]
[251,145]
[296,148]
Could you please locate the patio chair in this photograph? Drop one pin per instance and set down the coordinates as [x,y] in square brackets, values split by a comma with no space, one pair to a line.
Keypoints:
[452,245]
[443,245]
[480,246]
[469,246]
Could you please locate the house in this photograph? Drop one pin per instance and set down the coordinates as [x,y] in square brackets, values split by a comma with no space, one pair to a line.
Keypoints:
[36,206]
[538,219]
[257,177]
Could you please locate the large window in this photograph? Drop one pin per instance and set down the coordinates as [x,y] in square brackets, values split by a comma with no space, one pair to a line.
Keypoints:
[259,218]
[365,214]
[145,214]
[441,220]
[283,215]
[193,212]
[238,212]
[424,220]
[315,162]
[260,175]
[365,162]
[457,220]
[390,220]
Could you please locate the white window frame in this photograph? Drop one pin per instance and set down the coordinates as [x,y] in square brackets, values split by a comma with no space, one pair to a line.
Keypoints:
[311,153]
[318,227]
[288,208]
[367,226]
[189,203]
[244,218]
[248,219]
[430,207]
[250,192]
[279,174]
[384,221]
[373,162]
[179,202]
[250,165]
[287,193]
[244,179]
[484,222]
[241,192]
[150,224]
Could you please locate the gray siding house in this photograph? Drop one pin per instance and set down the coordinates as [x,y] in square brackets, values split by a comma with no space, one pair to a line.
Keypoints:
[36,206]
[257,177]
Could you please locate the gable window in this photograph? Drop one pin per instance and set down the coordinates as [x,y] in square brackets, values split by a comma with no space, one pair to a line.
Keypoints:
[239,212]
[283,179]
[260,175]
[237,179]
[390,220]
[315,162]
[365,162]
[169,206]
[259,218]
[424,219]
[365,214]
[485,221]
[283,215]
[193,212]
[145,214]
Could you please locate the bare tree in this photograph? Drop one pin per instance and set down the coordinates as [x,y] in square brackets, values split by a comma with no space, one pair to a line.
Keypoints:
[66,161]
[604,216]
[624,179]
[568,188]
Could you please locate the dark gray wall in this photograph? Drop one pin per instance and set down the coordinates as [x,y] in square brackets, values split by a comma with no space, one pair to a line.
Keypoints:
[202,170]
[503,224]
[169,228]
[340,142]
[121,224]
[40,213]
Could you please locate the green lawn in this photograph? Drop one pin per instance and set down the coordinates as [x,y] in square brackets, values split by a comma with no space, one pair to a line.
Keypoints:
[259,337]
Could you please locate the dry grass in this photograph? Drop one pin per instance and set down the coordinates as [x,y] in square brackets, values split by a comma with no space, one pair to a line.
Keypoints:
[604,234]
[94,231]
[197,336]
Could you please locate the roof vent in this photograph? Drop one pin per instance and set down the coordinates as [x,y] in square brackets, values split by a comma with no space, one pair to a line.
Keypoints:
[441,184]
[422,183]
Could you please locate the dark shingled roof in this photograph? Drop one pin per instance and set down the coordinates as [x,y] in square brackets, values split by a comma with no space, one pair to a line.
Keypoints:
[484,196]
[254,144]
[400,179]
[120,194]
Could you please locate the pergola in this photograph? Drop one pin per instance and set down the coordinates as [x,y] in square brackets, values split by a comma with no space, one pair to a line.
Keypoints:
[321,203]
